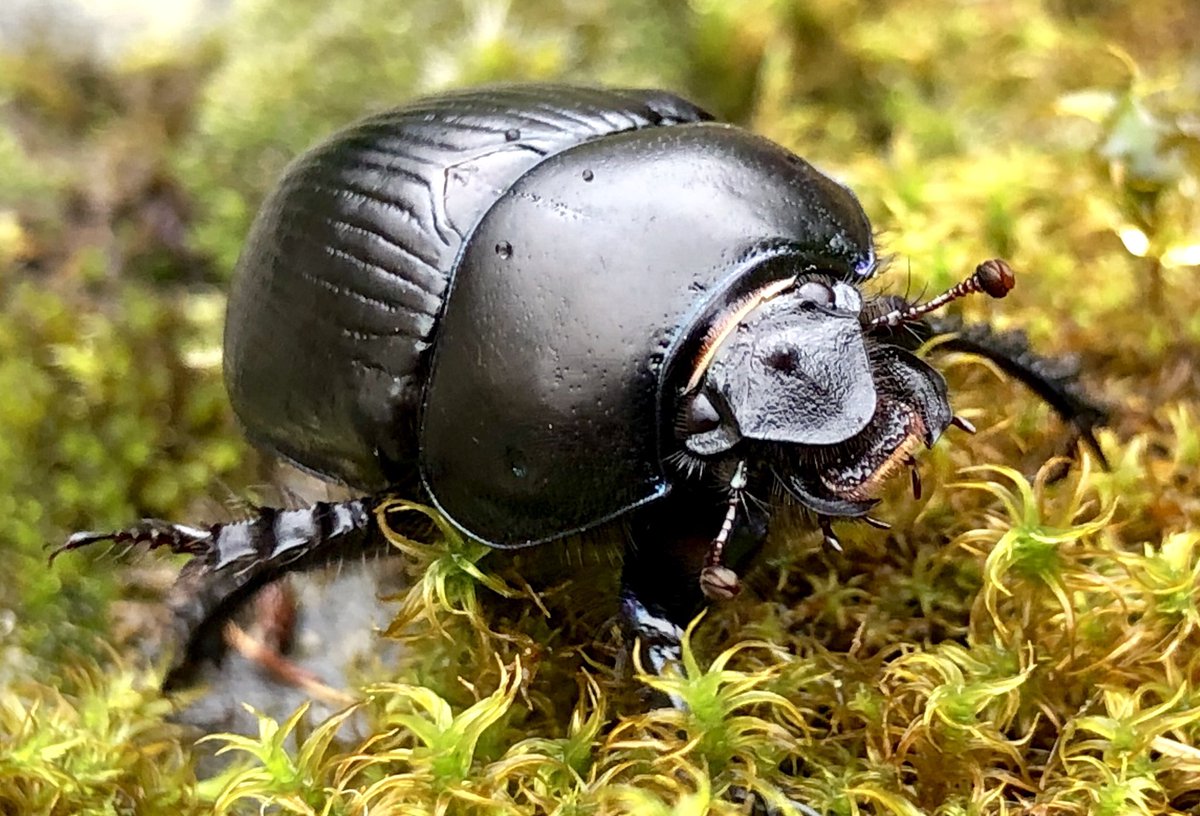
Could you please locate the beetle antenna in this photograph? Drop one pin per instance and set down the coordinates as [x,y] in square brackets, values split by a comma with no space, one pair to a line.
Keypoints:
[994,277]
[717,581]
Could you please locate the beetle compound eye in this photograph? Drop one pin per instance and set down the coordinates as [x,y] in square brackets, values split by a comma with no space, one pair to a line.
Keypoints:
[700,415]
[814,292]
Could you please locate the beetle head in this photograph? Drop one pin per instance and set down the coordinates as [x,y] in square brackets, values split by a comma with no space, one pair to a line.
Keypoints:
[790,369]
[793,369]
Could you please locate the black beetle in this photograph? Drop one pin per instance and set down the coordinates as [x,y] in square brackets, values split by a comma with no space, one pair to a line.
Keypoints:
[548,307]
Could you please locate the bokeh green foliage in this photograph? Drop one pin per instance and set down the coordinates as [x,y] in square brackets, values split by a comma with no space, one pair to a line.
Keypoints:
[101,424]
[1015,641]
[103,747]
[112,402]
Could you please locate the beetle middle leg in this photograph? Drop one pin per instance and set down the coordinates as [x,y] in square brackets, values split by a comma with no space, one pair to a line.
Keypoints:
[670,549]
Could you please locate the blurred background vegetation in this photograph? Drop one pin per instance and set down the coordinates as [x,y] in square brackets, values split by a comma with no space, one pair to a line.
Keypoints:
[136,141]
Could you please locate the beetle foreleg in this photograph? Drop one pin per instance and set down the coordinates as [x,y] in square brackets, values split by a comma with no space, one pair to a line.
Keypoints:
[660,638]
[1055,381]
[668,549]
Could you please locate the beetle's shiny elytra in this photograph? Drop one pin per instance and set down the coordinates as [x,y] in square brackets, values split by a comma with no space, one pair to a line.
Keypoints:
[495,288]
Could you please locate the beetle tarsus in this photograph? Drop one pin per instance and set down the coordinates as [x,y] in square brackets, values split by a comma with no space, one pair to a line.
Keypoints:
[231,561]
[759,807]
[154,533]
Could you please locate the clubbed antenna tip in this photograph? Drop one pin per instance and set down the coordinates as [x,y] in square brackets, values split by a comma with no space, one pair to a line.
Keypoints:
[993,277]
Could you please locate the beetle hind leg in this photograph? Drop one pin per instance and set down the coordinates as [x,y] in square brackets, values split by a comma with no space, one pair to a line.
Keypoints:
[231,562]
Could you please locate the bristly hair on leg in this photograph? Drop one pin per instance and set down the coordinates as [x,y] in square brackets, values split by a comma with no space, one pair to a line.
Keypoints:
[231,561]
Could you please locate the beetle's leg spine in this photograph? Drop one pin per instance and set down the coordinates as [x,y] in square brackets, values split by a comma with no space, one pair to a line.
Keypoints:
[963,424]
[831,540]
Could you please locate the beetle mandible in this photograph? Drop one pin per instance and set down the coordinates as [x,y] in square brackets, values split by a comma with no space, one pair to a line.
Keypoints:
[547,307]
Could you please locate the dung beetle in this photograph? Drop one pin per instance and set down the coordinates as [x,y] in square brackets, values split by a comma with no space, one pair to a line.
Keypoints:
[545,308]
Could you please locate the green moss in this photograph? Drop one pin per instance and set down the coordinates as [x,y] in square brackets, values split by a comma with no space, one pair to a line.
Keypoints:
[98,744]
